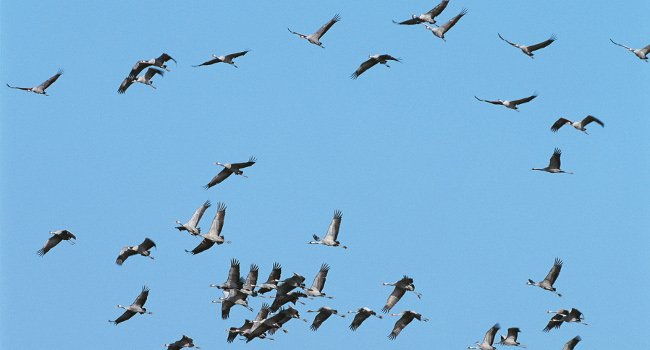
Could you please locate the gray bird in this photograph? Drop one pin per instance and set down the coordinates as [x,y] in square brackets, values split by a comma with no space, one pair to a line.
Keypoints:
[371,62]
[407,317]
[572,343]
[319,283]
[428,17]
[136,308]
[488,339]
[547,283]
[229,169]
[146,79]
[323,314]
[528,50]
[362,314]
[510,104]
[57,237]
[440,31]
[142,249]
[271,282]
[553,168]
[225,59]
[40,89]
[402,286]
[214,235]
[184,342]
[332,234]
[511,338]
[315,37]
[192,226]
[642,54]
[579,125]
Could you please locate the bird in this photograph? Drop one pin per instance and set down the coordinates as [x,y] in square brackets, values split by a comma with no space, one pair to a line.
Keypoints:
[402,286]
[192,226]
[319,283]
[563,315]
[332,233]
[232,297]
[373,60]
[146,79]
[156,62]
[323,314]
[142,249]
[272,323]
[282,299]
[229,169]
[428,17]
[407,317]
[510,104]
[528,50]
[511,338]
[315,37]
[136,308]
[580,125]
[57,237]
[288,284]
[248,325]
[234,280]
[440,31]
[251,281]
[362,314]
[214,235]
[40,89]
[271,282]
[184,342]
[640,53]
[554,164]
[488,340]
[572,343]
[225,59]
[547,283]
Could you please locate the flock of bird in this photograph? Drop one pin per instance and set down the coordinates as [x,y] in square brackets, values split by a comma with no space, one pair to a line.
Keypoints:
[237,290]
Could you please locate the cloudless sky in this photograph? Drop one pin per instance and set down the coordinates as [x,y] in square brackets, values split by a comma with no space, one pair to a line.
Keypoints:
[431,182]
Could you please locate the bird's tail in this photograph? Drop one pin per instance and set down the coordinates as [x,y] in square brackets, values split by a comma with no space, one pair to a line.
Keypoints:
[41,252]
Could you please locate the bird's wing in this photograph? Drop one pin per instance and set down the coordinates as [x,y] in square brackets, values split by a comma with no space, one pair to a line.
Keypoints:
[142,298]
[629,48]
[512,333]
[250,162]
[209,62]
[226,305]
[125,316]
[557,266]
[125,85]
[445,27]
[125,253]
[525,99]
[438,9]
[333,230]
[198,214]
[645,50]
[218,221]
[575,314]
[319,319]
[263,313]
[274,276]
[322,30]
[409,22]
[151,72]
[18,87]
[251,279]
[554,322]
[236,54]
[364,67]
[233,273]
[386,57]
[400,325]
[223,174]
[543,44]
[165,57]
[203,246]
[67,235]
[572,343]
[139,67]
[393,298]
[489,101]
[554,163]
[509,42]
[358,320]
[489,335]
[558,124]
[51,81]
[147,244]
[319,280]
[591,118]
[51,243]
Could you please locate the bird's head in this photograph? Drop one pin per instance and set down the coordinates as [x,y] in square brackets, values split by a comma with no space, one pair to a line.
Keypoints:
[414,16]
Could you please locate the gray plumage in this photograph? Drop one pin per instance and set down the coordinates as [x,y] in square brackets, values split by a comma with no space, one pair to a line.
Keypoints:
[57,237]
[316,36]
[142,249]
[40,89]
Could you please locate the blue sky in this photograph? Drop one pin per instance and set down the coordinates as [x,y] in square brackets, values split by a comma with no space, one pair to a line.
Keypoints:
[431,182]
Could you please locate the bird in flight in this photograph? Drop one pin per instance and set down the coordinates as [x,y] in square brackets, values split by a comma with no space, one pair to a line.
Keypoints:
[579,125]
[315,37]
[57,237]
[40,89]
[372,61]
[146,79]
[554,168]
[440,31]
[547,283]
[136,308]
[142,249]
[510,104]
[642,54]
[428,17]
[225,59]
[528,50]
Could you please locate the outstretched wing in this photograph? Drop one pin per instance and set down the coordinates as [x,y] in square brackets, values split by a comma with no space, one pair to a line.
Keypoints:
[138,67]
[543,44]
[233,273]
[51,81]
[393,298]
[147,244]
[142,298]
[236,54]
[645,50]
[591,118]
[18,87]
[218,221]
[322,30]
[627,47]
[250,162]
[151,72]
[452,22]
[198,214]
[557,266]
[203,246]
[572,343]
[513,333]
[554,322]
[125,316]
[125,85]
[217,179]
[509,42]
[209,62]
[554,163]
[125,253]
[321,277]
[358,320]
[489,336]
[525,99]
[400,325]
[559,123]
[319,319]
[51,243]
[251,279]
[364,67]
[409,22]
[165,57]
[333,230]
[438,9]
[488,101]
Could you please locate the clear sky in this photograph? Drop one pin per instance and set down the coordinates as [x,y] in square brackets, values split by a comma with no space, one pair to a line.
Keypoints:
[431,182]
